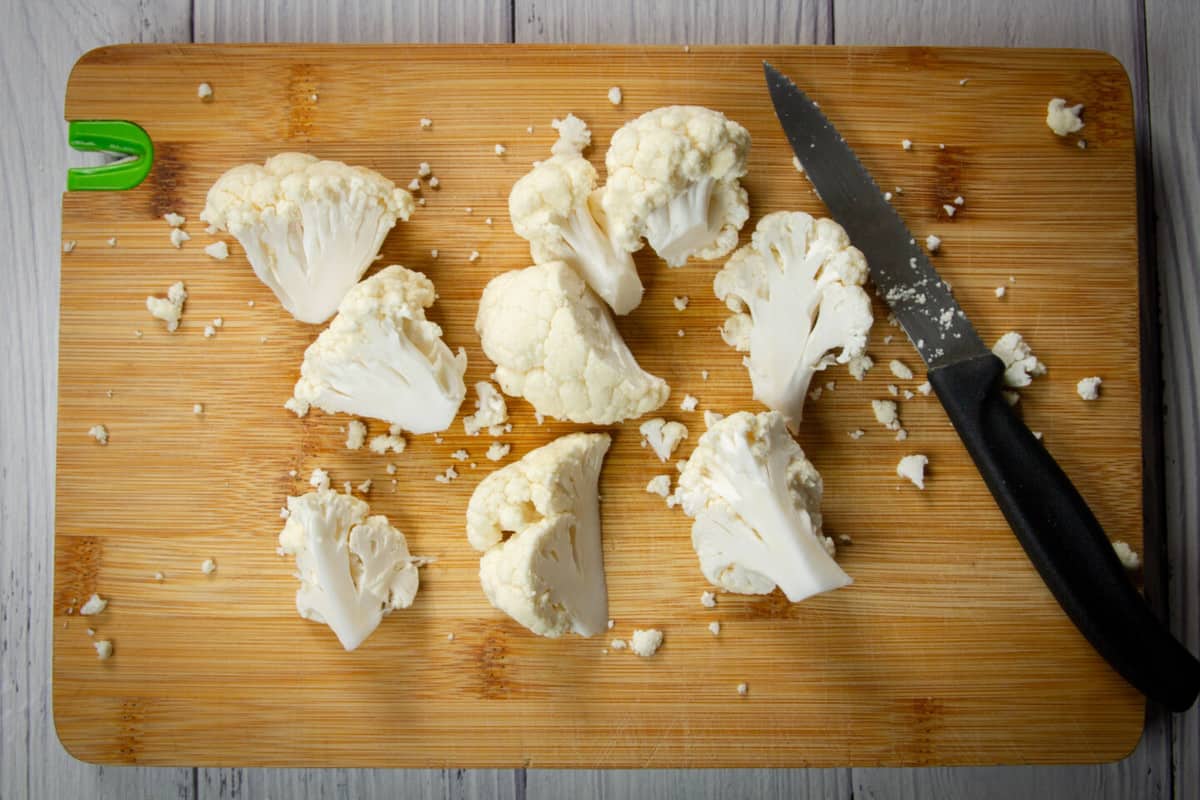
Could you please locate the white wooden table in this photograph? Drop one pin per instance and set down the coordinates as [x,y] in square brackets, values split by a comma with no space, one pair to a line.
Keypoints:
[40,40]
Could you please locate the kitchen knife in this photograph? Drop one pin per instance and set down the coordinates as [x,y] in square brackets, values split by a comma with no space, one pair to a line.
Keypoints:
[1060,534]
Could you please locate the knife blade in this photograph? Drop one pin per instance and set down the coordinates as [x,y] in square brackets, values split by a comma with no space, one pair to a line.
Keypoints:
[1049,517]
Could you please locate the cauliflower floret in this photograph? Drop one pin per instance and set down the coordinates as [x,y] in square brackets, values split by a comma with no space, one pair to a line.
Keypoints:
[537,523]
[1021,366]
[353,569]
[491,412]
[756,503]
[797,294]
[1062,118]
[555,344]
[673,178]
[170,308]
[381,358]
[310,228]
[573,136]
[556,208]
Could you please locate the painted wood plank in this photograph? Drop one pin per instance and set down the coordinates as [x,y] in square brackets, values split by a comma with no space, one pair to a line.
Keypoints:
[1172,28]
[39,42]
[680,22]
[355,21]
[1113,26]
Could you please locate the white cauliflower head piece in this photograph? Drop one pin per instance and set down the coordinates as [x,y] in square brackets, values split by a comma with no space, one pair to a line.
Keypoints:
[756,503]
[537,523]
[354,569]
[554,207]
[381,358]
[309,227]
[797,294]
[673,178]
[555,344]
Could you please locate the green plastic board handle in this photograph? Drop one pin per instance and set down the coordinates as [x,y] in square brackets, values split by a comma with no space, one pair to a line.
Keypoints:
[110,136]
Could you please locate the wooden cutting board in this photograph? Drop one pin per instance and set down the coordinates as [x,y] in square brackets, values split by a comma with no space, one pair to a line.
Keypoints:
[946,650]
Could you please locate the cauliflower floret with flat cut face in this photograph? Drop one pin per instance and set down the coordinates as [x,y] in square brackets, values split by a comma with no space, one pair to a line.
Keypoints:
[673,179]
[756,503]
[555,208]
[537,523]
[309,227]
[381,358]
[555,344]
[797,294]
[353,569]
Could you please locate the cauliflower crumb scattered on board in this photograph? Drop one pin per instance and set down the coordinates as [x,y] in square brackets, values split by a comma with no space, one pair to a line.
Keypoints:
[104,648]
[646,642]
[743,689]
[356,434]
[197,408]
[173,219]
[499,149]
[950,210]
[208,567]
[365,486]
[906,144]
[703,374]
[209,331]
[925,388]
[450,637]
[217,250]
[933,242]
[158,576]
[474,256]
[958,201]
[1001,291]
[708,599]
[178,237]
[886,414]
[912,467]
[662,437]
[426,123]
[460,455]
[1021,366]
[660,485]
[1129,559]
[893,390]
[900,370]
[497,451]
[714,628]
[618,644]
[681,302]
[414,185]
[614,95]
[446,477]
[689,403]
[434,182]
[99,433]
[1089,388]
[1062,118]
[859,366]
[796,163]
[204,91]
[94,605]
[491,411]
[857,434]
[68,245]
[170,308]
[112,241]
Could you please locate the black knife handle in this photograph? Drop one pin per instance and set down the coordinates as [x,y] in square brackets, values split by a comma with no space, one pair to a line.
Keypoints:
[1062,537]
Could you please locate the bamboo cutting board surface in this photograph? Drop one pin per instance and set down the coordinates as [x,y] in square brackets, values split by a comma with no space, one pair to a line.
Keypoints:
[946,650]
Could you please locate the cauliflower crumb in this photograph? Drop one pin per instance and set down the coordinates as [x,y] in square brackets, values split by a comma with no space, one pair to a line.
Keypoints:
[887,196]
[611,624]
[1037,435]
[893,390]
[424,170]
[204,91]
[646,643]
[618,644]
[681,302]
[249,304]
[796,163]
[446,477]
[1012,398]
[714,628]
[963,82]
[296,406]
[1063,119]
[474,256]
[356,434]
[680,333]
[487,221]
[708,599]
[68,245]
[365,486]
[958,201]
[319,479]
[859,366]
[906,144]
[390,469]
[112,242]
[499,149]
[384,443]
[1001,291]
[1089,388]
[743,689]
[460,455]
[104,648]
[900,370]
[1081,144]
[614,95]
[434,182]
[901,435]
[198,408]
[815,394]
[907,395]
[689,403]
[1021,366]
[886,414]
[99,433]
[1129,559]
[94,605]
[209,331]
[217,250]
[414,185]
[208,567]
[933,242]
[178,237]
[158,576]
[660,485]
[703,374]
[913,468]
[950,210]
[925,388]
[426,123]
[168,309]
[497,451]
[173,219]
[857,434]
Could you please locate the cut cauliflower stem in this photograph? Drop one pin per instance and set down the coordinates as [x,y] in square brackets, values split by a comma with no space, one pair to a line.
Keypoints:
[797,294]
[353,569]
[756,502]
[548,574]
[309,227]
[555,207]
[381,358]
[555,344]
[673,179]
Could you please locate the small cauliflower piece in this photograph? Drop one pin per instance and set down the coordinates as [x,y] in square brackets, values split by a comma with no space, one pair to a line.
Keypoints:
[354,569]
[217,250]
[99,433]
[1129,558]
[886,414]
[94,605]
[1089,388]
[614,95]
[491,411]
[660,485]
[208,566]
[1062,118]
[689,403]
[673,178]
[170,309]
[796,293]
[900,369]
[556,345]
[381,358]
[537,523]
[173,219]
[104,649]
[310,228]
[356,434]
[646,643]
[912,467]
[662,437]
[756,502]
[497,451]
[1020,364]
[204,91]
[556,209]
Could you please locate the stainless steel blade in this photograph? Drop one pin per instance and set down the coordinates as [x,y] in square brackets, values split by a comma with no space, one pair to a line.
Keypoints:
[903,276]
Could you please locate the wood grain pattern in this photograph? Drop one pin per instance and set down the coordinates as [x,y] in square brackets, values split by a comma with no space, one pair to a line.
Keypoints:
[1176,158]
[911,678]
[38,44]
